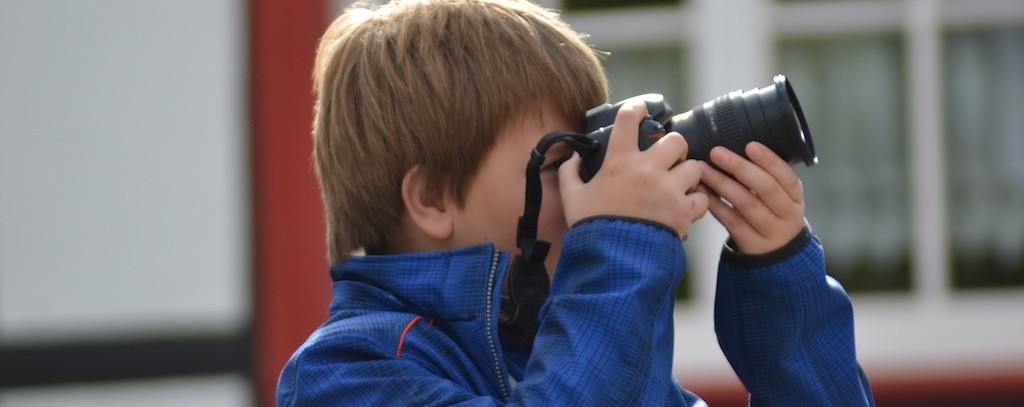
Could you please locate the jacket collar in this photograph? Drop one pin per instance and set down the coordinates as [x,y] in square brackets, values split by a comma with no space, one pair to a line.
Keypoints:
[454,284]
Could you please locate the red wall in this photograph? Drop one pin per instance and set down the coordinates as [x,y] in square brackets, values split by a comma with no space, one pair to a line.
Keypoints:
[292,281]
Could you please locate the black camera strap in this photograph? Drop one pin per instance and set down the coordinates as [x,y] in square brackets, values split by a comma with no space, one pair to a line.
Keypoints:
[528,283]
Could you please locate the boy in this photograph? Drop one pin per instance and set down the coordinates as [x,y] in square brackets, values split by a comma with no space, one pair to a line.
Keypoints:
[427,112]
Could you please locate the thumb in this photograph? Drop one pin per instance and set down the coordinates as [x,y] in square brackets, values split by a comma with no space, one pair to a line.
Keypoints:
[569,175]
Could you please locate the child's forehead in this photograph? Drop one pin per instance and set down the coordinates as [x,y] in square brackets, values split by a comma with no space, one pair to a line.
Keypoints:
[540,116]
[525,129]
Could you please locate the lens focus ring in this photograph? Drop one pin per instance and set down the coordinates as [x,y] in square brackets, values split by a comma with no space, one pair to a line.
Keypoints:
[729,134]
[705,140]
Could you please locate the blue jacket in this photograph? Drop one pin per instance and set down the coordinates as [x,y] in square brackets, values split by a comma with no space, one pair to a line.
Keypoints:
[421,329]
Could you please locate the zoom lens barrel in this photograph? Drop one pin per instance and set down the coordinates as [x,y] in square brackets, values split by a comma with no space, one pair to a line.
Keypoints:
[770,115]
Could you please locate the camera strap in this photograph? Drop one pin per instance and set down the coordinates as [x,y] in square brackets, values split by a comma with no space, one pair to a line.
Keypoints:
[528,283]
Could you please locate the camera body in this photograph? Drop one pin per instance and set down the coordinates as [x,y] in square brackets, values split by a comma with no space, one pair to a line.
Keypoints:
[771,115]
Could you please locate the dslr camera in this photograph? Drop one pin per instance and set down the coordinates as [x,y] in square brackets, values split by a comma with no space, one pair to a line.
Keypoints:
[770,115]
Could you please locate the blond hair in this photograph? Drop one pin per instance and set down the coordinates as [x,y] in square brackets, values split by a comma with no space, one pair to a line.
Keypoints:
[431,83]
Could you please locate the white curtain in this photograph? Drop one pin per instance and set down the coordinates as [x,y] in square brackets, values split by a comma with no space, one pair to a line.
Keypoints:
[985,153]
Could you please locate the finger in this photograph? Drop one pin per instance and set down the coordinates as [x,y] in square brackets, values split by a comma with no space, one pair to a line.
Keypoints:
[726,215]
[755,181]
[743,201]
[700,202]
[686,147]
[778,169]
[667,151]
[569,175]
[627,124]
[688,174]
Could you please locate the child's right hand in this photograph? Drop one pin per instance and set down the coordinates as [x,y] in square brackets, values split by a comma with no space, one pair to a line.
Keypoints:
[657,184]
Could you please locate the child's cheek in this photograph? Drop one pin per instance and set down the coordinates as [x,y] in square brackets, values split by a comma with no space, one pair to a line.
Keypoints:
[551,225]
[552,215]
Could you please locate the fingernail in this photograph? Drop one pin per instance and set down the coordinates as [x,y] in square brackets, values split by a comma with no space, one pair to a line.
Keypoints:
[637,104]
[718,155]
[757,149]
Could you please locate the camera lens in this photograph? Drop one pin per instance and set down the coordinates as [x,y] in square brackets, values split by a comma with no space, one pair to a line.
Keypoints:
[770,115]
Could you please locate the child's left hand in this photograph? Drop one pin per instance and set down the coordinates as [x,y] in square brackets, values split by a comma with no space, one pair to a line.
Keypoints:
[763,206]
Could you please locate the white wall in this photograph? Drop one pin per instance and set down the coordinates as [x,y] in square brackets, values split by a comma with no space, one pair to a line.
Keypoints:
[124,182]
[229,390]
[123,187]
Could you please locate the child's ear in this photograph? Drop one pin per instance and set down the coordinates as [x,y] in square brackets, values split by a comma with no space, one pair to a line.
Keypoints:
[429,208]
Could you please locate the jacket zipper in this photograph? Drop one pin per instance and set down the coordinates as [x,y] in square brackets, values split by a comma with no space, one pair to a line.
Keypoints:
[491,328]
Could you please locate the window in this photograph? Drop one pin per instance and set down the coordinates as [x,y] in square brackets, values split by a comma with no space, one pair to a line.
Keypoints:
[984,149]
[852,92]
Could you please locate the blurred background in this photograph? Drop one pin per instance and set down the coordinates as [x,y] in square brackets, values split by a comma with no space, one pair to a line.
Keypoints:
[161,240]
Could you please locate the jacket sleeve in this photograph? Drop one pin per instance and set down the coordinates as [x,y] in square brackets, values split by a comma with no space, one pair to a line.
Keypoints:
[605,336]
[787,328]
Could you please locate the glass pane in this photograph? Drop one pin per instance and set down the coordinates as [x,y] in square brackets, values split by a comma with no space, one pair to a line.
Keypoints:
[652,69]
[852,93]
[573,5]
[985,144]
